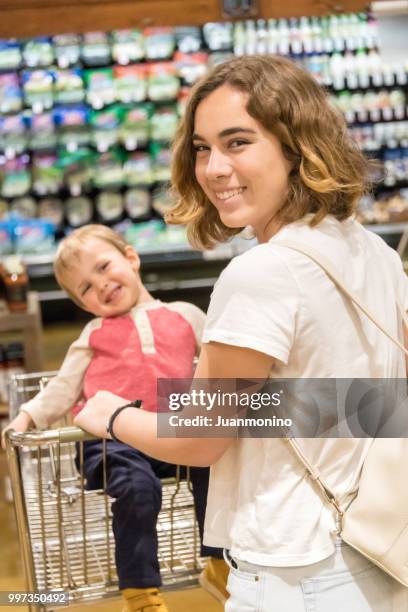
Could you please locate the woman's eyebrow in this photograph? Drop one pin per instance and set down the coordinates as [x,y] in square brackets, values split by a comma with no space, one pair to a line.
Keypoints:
[227,132]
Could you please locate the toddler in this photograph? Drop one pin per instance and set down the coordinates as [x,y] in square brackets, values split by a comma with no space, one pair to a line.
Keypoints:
[134,340]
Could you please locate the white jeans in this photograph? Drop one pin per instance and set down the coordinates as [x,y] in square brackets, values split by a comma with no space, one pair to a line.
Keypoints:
[344,582]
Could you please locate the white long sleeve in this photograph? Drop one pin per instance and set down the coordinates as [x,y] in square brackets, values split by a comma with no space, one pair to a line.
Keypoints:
[63,391]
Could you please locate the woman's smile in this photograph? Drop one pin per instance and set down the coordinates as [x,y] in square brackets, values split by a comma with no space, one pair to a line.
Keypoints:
[227,194]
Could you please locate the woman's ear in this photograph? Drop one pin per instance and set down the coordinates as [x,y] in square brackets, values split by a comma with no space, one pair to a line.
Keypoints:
[132,257]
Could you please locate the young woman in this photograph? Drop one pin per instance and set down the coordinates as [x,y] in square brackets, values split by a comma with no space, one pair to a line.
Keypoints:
[261,146]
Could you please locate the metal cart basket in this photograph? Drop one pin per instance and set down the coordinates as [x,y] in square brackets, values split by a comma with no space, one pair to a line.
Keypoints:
[65,530]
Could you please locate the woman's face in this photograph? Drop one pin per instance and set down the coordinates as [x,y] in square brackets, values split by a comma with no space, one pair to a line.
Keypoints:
[239,165]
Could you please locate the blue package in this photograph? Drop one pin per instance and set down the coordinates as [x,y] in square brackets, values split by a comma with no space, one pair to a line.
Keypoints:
[33,236]
[10,54]
[6,238]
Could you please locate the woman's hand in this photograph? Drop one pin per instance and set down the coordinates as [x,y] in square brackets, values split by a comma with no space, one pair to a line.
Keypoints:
[94,417]
[20,423]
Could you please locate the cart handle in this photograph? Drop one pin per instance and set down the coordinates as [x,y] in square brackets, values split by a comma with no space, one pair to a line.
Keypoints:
[47,436]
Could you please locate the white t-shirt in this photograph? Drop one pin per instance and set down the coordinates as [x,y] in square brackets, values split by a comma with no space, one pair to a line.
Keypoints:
[261,504]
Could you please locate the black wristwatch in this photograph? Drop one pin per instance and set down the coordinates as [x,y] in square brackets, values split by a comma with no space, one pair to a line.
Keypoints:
[109,427]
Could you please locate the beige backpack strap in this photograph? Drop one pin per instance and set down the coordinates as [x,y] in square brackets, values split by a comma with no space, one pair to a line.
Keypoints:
[332,273]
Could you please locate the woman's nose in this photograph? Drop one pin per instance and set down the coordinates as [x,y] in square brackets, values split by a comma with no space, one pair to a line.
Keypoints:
[218,165]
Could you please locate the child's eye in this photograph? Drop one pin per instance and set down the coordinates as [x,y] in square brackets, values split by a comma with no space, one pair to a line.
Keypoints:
[104,265]
[85,289]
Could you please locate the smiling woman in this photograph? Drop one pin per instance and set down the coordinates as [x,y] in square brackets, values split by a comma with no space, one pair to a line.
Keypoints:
[260,145]
[241,169]
[293,128]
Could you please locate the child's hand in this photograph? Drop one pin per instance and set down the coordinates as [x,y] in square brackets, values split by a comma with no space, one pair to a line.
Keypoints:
[94,417]
[21,423]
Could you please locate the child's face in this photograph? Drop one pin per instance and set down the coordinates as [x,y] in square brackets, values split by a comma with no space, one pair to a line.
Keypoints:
[104,281]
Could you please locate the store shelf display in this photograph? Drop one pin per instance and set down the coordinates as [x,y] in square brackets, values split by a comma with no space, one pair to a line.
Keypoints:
[86,121]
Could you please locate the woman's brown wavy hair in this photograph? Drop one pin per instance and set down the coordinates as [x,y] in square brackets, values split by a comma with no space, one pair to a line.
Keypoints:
[329,174]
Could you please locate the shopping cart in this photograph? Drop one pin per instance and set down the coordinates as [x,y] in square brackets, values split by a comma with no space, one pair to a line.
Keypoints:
[65,531]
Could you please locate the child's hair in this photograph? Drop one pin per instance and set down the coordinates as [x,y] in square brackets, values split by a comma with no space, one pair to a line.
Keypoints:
[329,175]
[69,249]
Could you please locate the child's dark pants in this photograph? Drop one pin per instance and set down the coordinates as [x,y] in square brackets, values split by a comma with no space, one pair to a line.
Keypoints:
[133,480]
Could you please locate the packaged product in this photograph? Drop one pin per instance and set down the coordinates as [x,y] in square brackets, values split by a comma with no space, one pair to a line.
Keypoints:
[96,49]
[130,83]
[42,133]
[15,176]
[146,236]
[163,123]
[100,87]
[174,236]
[191,67]
[38,52]
[33,236]
[11,96]
[161,162]
[104,127]
[10,54]
[163,83]
[67,49]
[137,203]
[108,171]
[134,131]
[77,167]
[24,208]
[52,209]
[72,126]
[138,169]
[218,36]
[188,39]
[127,46]
[159,43]
[47,174]
[68,86]
[13,135]
[78,211]
[38,89]
[110,207]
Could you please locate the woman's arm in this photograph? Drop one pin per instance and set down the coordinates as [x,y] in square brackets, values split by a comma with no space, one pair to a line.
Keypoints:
[138,428]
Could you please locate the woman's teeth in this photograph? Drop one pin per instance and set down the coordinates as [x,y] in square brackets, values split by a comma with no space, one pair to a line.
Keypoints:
[224,195]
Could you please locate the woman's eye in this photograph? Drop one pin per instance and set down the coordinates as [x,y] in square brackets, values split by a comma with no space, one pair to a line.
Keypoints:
[104,265]
[237,143]
[200,148]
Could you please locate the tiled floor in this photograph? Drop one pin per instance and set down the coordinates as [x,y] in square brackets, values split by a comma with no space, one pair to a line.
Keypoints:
[56,340]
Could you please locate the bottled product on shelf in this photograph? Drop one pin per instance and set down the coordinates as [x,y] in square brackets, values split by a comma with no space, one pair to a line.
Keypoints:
[86,120]
[15,280]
